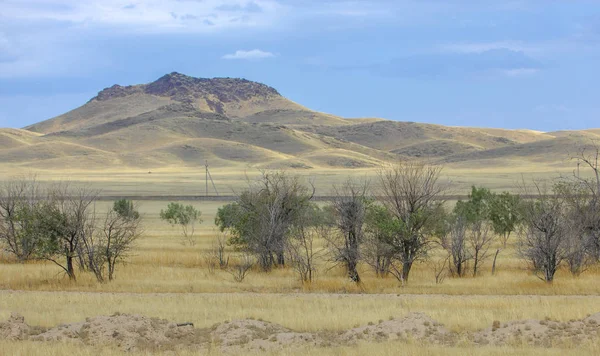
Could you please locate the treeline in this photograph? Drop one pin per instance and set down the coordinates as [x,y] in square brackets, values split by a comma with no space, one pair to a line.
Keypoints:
[401,218]
[389,224]
[60,224]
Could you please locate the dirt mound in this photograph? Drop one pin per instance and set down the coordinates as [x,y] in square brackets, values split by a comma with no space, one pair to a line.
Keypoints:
[544,333]
[127,332]
[136,332]
[256,335]
[414,326]
[14,328]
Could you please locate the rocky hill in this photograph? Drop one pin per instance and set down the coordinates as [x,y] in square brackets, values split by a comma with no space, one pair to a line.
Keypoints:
[179,121]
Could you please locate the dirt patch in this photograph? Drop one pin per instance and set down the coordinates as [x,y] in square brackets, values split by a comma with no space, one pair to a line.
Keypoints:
[127,332]
[546,333]
[414,326]
[256,335]
[136,332]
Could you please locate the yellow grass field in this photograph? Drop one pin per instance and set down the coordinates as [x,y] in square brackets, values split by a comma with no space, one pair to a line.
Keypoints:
[169,280]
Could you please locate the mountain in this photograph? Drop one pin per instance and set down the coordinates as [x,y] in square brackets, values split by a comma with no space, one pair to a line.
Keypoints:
[179,122]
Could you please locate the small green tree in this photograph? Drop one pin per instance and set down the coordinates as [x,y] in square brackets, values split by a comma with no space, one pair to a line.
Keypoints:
[185,217]
[126,209]
[380,230]
[505,214]
[19,199]
[63,222]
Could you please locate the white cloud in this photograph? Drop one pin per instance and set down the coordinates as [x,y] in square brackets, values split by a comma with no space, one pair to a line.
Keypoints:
[47,37]
[252,54]
[146,15]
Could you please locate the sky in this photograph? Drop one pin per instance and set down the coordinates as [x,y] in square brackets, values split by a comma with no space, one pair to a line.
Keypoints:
[487,63]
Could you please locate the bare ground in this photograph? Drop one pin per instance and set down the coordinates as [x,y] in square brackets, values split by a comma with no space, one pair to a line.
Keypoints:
[136,332]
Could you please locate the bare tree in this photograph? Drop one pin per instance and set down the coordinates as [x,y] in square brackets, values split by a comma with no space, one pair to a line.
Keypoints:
[240,269]
[440,268]
[312,223]
[580,211]
[19,199]
[480,239]
[544,241]
[112,241]
[216,256]
[349,207]
[454,242]
[412,193]
[587,201]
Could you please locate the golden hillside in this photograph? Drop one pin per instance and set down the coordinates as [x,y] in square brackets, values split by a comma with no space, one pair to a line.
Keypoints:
[178,122]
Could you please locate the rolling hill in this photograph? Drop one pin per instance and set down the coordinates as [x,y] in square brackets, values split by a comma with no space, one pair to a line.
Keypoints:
[179,122]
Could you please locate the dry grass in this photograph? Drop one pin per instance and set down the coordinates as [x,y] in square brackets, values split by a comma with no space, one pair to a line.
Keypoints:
[162,264]
[168,280]
[391,349]
[300,312]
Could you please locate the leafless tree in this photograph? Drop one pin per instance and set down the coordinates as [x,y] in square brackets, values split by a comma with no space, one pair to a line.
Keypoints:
[412,192]
[587,202]
[440,267]
[454,242]
[110,242]
[240,269]
[480,238]
[546,227]
[580,211]
[216,255]
[312,223]
[19,199]
[349,206]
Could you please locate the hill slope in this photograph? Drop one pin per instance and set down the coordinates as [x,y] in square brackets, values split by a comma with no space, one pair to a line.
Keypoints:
[180,121]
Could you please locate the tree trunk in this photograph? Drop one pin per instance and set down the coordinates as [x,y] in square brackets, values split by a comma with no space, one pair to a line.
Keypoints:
[494,264]
[353,273]
[70,269]
[111,270]
[266,261]
[475,263]
[459,269]
[281,258]
[406,266]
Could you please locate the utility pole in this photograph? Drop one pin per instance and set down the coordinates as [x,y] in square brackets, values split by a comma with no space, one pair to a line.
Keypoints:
[209,176]
[206,176]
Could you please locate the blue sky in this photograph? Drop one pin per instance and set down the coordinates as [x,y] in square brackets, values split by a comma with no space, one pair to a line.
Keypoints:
[510,64]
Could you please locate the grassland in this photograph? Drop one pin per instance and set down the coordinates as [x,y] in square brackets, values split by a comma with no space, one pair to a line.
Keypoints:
[149,141]
[169,280]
